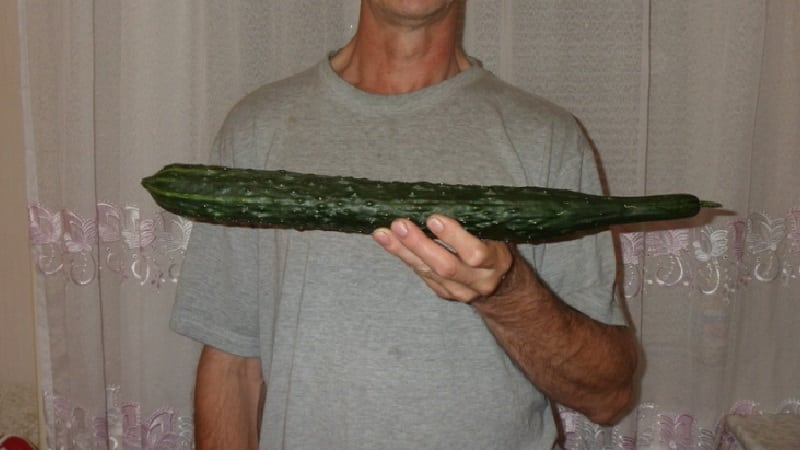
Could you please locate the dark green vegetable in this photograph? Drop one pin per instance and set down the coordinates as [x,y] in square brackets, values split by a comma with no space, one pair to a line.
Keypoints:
[280,199]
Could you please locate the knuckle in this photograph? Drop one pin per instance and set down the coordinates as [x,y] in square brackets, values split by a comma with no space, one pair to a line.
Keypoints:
[447,270]
[476,257]
[486,289]
[506,265]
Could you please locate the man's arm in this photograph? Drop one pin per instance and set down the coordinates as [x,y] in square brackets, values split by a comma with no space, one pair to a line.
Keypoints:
[577,361]
[229,395]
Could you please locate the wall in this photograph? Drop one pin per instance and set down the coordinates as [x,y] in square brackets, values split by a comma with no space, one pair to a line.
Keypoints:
[18,386]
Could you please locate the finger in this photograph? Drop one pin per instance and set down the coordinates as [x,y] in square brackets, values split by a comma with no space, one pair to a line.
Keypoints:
[448,289]
[444,272]
[460,281]
[470,249]
[443,262]
[392,244]
[489,260]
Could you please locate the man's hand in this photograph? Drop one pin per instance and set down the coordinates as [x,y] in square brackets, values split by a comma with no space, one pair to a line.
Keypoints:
[576,361]
[460,267]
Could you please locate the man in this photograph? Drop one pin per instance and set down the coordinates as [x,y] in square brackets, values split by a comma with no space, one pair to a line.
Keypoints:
[324,340]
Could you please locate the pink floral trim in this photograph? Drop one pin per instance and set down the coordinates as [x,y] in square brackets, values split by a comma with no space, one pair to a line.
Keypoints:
[654,428]
[121,426]
[149,250]
[117,240]
[713,260]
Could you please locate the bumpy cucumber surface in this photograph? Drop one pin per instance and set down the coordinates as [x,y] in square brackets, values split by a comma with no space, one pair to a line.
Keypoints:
[281,199]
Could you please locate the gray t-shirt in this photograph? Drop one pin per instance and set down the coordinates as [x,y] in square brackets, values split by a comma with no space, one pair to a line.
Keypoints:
[356,351]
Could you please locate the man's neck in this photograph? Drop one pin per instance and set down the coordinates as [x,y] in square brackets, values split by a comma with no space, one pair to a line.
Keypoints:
[394,57]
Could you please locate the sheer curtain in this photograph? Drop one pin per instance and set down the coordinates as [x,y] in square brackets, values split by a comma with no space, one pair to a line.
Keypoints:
[697,96]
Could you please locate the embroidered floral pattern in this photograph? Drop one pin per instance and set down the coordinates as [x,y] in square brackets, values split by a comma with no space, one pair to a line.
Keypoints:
[794,235]
[633,258]
[654,428]
[121,427]
[714,260]
[118,240]
[676,432]
[149,250]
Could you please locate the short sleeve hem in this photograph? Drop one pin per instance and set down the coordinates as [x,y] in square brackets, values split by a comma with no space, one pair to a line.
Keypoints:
[211,335]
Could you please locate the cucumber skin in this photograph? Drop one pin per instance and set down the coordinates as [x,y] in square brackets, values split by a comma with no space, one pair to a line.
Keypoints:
[282,199]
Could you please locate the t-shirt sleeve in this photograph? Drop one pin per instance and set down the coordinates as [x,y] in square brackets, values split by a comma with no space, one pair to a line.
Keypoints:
[582,271]
[217,299]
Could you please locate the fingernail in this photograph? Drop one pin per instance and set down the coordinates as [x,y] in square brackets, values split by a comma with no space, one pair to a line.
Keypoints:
[381,237]
[400,228]
[435,225]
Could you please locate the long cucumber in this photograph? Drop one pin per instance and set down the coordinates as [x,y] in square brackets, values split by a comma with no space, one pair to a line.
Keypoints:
[282,199]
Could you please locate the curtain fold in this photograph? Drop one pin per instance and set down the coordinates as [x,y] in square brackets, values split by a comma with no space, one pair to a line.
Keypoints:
[676,96]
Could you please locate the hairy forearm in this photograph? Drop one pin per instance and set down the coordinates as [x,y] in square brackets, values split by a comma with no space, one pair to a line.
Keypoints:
[228,395]
[576,361]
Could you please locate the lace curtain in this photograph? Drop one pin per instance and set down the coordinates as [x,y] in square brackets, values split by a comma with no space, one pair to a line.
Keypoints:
[697,96]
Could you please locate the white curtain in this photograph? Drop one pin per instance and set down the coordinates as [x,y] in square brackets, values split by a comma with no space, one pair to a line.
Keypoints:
[699,96]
